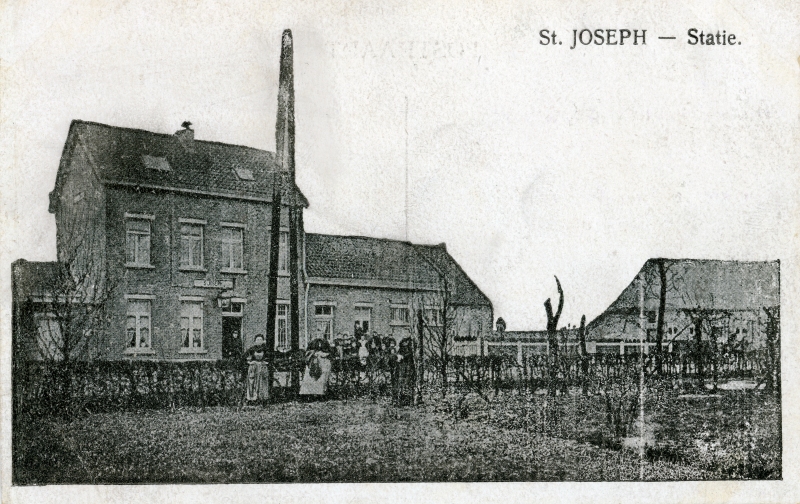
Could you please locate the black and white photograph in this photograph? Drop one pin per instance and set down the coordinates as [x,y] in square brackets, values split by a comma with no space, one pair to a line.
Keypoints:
[253,249]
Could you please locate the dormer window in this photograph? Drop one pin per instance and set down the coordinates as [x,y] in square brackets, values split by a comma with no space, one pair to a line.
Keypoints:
[156,163]
[244,173]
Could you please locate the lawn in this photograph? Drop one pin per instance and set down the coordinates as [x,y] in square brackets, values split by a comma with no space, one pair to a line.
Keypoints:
[358,440]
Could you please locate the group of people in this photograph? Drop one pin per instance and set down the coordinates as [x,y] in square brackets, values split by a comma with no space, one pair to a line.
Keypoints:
[367,352]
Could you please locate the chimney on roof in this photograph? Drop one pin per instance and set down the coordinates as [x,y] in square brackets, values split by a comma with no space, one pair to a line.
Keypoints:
[186,136]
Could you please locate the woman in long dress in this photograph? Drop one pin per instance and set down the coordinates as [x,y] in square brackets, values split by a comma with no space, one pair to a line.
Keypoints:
[318,369]
[257,371]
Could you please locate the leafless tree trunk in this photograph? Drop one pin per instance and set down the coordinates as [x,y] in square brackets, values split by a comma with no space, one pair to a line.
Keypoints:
[662,304]
[773,334]
[552,336]
[421,365]
[584,356]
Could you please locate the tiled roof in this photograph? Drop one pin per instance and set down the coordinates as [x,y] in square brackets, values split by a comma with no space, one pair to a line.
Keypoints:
[371,259]
[463,290]
[133,156]
[358,257]
[706,284]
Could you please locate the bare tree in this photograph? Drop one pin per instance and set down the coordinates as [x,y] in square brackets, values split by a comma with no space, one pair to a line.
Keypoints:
[584,356]
[552,336]
[773,334]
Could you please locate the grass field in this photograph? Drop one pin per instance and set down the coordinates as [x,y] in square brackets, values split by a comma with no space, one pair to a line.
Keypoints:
[357,440]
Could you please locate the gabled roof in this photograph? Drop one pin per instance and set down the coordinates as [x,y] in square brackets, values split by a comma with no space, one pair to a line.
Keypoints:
[702,283]
[463,290]
[360,258]
[134,157]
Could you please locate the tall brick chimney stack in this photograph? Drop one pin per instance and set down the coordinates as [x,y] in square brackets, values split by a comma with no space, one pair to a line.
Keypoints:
[284,129]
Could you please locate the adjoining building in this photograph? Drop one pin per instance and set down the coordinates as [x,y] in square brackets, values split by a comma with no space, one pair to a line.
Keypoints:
[359,284]
[729,300]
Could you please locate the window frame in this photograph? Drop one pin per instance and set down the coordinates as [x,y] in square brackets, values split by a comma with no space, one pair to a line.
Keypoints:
[138,235]
[137,348]
[230,244]
[285,319]
[325,318]
[395,308]
[432,309]
[189,238]
[356,318]
[283,252]
[188,303]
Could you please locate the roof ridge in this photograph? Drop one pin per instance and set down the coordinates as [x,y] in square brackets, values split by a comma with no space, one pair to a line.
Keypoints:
[696,260]
[362,237]
[406,242]
[168,135]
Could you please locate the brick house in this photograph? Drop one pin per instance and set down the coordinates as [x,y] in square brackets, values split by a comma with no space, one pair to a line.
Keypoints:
[356,283]
[178,229]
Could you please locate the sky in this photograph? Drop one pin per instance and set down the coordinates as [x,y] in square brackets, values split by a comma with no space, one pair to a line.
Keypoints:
[443,121]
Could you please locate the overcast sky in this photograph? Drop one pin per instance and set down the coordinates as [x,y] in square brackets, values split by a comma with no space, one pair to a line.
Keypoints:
[527,160]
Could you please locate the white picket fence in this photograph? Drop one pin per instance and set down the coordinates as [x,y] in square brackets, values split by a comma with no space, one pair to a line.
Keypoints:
[484,347]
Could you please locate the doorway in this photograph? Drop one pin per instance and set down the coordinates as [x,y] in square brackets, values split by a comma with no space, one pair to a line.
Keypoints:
[232,345]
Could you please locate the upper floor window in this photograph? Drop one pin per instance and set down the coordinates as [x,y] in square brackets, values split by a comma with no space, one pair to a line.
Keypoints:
[192,243]
[232,247]
[283,253]
[137,324]
[137,240]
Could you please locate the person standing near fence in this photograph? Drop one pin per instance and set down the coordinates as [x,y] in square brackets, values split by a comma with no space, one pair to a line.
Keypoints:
[318,369]
[257,371]
[405,375]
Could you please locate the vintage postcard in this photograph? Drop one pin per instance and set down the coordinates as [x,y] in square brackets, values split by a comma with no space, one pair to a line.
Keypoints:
[372,251]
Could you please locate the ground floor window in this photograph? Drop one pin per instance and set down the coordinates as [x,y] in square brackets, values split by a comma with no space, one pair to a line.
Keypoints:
[192,325]
[400,315]
[137,324]
[362,320]
[323,322]
[49,337]
[433,316]
[282,327]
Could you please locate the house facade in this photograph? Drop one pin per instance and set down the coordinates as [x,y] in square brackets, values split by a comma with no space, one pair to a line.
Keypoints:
[175,232]
[360,285]
[171,235]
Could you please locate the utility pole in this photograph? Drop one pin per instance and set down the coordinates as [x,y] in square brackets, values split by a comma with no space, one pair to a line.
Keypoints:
[284,153]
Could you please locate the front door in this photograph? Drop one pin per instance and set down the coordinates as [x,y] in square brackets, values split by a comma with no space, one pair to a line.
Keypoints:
[232,346]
